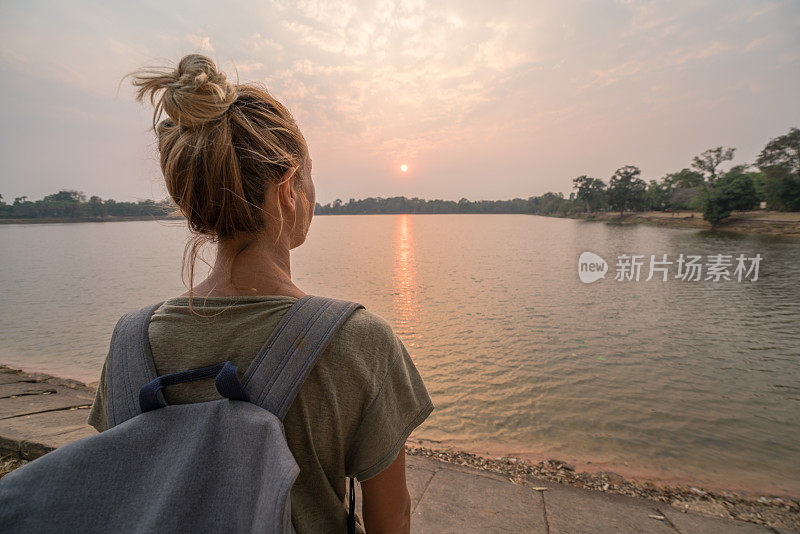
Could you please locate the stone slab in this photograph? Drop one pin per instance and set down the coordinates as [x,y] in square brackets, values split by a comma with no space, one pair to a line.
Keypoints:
[689,523]
[10,376]
[418,475]
[31,436]
[25,388]
[64,398]
[458,501]
[572,510]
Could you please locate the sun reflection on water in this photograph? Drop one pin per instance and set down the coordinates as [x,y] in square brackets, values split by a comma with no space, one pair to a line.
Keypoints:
[404,281]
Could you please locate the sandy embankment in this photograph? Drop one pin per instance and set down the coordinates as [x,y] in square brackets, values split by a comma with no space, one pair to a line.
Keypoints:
[746,222]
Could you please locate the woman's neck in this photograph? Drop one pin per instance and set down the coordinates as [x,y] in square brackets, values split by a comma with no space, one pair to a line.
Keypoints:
[255,267]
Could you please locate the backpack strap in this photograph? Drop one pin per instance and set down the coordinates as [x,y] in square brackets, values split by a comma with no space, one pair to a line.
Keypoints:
[129,366]
[280,368]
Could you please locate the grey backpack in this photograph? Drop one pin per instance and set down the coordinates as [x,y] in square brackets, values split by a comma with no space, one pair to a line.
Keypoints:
[218,466]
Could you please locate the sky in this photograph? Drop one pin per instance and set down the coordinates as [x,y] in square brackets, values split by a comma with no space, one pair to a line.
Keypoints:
[483,100]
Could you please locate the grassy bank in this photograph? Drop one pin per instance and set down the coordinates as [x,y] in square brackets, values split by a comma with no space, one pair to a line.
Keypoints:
[746,222]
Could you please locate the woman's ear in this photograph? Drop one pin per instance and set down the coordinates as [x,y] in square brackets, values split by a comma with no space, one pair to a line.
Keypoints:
[286,193]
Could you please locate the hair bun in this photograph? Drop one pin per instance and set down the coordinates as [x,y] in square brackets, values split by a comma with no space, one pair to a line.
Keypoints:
[194,93]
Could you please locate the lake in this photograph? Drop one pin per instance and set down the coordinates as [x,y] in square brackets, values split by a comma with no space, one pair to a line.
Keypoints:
[671,381]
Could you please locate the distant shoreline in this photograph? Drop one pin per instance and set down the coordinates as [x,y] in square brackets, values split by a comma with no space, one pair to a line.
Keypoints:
[785,224]
[56,220]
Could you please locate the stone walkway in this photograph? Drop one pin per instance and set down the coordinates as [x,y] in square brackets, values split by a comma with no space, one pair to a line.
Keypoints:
[39,413]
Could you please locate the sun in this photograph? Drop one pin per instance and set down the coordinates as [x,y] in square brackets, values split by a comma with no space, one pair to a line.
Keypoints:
[403,168]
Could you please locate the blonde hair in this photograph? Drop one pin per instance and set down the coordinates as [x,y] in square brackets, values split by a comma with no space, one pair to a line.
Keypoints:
[220,147]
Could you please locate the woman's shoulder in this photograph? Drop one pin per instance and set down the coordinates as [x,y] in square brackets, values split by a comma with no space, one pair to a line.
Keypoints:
[370,331]
[364,322]
[366,340]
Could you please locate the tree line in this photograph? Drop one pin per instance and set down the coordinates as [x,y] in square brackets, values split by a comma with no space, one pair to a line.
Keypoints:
[773,179]
[74,205]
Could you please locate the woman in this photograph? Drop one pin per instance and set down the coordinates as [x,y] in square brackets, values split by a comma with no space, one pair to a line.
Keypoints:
[238,167]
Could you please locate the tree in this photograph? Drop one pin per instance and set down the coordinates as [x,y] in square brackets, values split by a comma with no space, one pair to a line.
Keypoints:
[758,182]
[590,191]
[684,179]
[684,199]
[96,207]
[709,161]
[716,206]
[733,191]
[781,189]
[66,196]
[626,189]
[780,162]
[783,151]
[738,187]
[658,195]
[681,188]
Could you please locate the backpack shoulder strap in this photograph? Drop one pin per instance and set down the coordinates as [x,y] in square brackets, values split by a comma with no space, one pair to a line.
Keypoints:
[129,366]
[280,368]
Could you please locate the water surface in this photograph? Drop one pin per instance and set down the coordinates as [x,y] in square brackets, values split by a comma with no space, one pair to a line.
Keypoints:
[677,381]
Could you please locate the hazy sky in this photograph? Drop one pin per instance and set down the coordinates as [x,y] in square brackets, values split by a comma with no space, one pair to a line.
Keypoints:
[483,99]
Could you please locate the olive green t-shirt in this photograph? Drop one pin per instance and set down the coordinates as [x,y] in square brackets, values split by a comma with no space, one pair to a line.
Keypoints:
[351,417]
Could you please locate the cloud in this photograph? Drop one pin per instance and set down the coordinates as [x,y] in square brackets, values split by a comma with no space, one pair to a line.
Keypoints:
[685,55]
[399,76]
[756,43]
[519,85]
[260,44]
[751,12]
[247,67]
[200,43]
